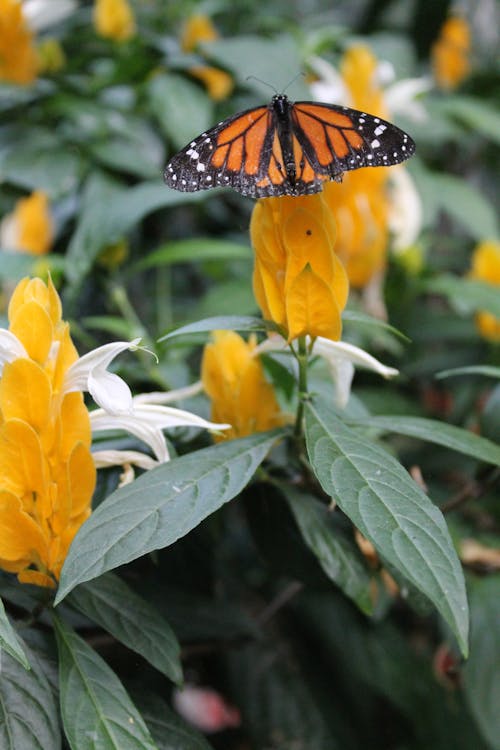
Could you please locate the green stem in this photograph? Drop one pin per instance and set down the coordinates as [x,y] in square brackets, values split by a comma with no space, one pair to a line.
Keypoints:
[302,359]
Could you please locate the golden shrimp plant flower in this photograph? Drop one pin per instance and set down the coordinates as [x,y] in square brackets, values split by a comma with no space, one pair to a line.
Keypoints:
[47,470]
[29,228]
[299,282]
[47,474]
[18,56]
[486,267]
[233,378]
[451,53]
[373,208]
[114,19]
[199,28]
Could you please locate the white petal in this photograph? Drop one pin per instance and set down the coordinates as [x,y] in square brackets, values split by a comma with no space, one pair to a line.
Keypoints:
[330,87]
[165,397]
[110,392]
[89,373]
[273,343]
[41,14]
[105,459]
[401,97]
[405,210]
[340,349]
[342,374]
[10,348]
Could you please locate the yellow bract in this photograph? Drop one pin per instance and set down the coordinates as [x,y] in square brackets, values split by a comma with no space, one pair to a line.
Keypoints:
[233,378]
[360,206]
[359,73]
[199,28]
[299,282]
[486,267]
[47,474]
[114,19]
[450,54]
[360,203]
[18,57]
[33,229]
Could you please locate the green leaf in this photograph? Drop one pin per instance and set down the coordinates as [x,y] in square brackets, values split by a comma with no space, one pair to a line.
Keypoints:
[14,266]
[168,729]
[109,212]
[96,710]
[195,250]
[356,316]
[339,557]
[9,641]
[28,712]
[466,295]
[459,199]
[182,108]
[39,161]
[274,61]
[110,603]
[223,323]
[384,503]
[281,710]
[481,672]
[474,112]
[434,431]
[162,506]
[487,370]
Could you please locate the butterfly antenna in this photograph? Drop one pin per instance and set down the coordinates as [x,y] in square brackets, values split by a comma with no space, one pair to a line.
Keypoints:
[249,78]
[301,73]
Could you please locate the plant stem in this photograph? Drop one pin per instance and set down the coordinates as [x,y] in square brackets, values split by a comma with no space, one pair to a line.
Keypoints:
[302,359]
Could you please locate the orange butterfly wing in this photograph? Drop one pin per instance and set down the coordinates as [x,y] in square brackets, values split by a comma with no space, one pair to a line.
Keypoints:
[286,149]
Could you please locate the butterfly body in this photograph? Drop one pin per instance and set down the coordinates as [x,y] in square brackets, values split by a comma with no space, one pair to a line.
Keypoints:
[286,148]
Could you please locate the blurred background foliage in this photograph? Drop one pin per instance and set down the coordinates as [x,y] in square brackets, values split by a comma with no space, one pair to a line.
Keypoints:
[85,130]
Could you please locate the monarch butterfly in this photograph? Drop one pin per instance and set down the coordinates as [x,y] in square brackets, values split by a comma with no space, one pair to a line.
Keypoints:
[286,148]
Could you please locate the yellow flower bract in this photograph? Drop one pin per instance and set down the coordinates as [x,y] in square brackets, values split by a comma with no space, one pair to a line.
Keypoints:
[47,474]
[233,378]
[299,282]
[486,267]
[450,54]
[18,56]
[114,19]
[360,203]
[33,224]
[199,28]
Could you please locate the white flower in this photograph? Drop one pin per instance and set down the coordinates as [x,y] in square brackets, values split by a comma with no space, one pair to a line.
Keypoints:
[340,358]
[401,97]
[41,14]
[89,373]
[10,348]
[147,422]
[405,210]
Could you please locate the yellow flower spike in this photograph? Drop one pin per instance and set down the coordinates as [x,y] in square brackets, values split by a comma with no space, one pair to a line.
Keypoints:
[486,267]
[25,393]
[233,378]
[218,83]
[299,282]
[34,329]
[114,19]
[18,56]
[359,72]
[35,225]
[199,28]
[47,473]
[21,537]
[21,461]
[451,52]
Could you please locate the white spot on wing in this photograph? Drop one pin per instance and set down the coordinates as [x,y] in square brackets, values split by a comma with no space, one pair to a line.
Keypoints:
[200,167]
[380,129]
[375,143]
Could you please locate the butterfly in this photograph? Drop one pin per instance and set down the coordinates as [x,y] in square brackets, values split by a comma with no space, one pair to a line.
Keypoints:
[286,148]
